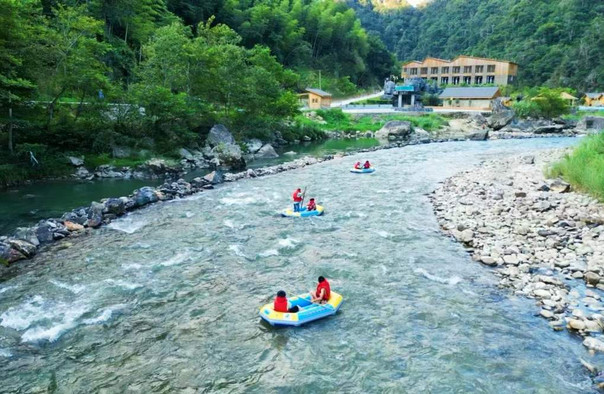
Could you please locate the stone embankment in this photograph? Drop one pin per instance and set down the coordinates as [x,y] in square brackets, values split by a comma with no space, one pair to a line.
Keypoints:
[543,240]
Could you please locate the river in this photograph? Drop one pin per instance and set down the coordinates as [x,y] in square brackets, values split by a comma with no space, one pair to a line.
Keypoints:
[166,299]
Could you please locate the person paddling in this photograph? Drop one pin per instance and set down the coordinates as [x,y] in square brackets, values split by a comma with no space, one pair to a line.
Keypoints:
[322,293]
[367,165]
[311,205]
[297,197]
[281,303]
[357,166]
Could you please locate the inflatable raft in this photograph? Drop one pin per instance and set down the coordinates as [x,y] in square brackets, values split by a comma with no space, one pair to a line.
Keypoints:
[303,213]
[363,170]
[308,311]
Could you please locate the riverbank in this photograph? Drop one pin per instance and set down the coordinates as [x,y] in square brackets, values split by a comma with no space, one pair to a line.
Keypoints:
[543,240]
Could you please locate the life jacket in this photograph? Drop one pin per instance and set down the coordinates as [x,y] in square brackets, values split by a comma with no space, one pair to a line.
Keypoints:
[367,165]
[311,206]
[280,304]
[296,196]
[358,165]
[324,285]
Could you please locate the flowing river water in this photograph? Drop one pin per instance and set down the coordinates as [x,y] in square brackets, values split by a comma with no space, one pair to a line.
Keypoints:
[166,299]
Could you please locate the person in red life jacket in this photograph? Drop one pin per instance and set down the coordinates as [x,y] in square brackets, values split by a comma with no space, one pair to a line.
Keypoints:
[322,293]
[367,164]
[281,304]
[357,166]
[297,196]
[311,205]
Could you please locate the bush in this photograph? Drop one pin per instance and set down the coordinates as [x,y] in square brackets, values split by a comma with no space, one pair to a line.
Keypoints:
[584,167]
[526,109]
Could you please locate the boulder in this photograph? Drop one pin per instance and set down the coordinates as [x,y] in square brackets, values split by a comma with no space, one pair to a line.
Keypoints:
[83,173]
[214,177]
[8,254]
[185,154]
[481,135]
[75,161]
[559,186]
[24,247]
[145,195]
[501,115]
[253,145]
[266,152]
[592,278]
[549,129]
[115,206]
[71,226]
[594,123]
[593,344]
[421,136]
[44,232]
[27,234]
[230,156]
[395,130]
[95,214]
[576,324]
[219,134]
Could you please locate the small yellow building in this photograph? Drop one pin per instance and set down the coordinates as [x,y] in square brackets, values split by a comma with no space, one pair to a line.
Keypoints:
[315,99]
[569,98]
[470,97]
[595,99]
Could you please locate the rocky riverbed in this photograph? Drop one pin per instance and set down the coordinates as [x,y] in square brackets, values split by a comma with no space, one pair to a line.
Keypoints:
[543,240]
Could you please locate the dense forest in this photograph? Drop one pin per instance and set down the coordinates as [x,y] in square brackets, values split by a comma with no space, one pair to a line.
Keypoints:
[155,75]
[555,42]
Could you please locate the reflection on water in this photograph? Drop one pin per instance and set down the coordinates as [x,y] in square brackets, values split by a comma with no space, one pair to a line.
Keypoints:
[168,301]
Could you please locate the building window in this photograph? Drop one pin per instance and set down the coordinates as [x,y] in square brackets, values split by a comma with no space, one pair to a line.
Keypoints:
[491,68]
[467,80]
[444,80]
[478,80]
[434,70]
[435,79]
[479,69]
[405,70]
[413,71]
[467,69]
[445,70]
[490,79]
[455,80]
[424,70]
[456,69]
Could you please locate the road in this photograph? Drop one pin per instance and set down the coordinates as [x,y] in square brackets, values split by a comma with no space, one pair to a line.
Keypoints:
[347,101]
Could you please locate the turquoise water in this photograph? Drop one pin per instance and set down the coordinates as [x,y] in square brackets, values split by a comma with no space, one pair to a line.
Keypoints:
[166,299]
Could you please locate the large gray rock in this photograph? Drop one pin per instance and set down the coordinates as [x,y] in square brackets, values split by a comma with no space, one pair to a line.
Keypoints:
[27,234]
[266,152]
[219,134]
[478,135]
[395,130]
[116,206]
[24,247]
[549,129]
[75,161]
[145,195]
[95,214]
[499,119]
[44,232]
[214,177]
[229,156]
[8,254]
[559,186]
[595,123]
[253,145]
[185,154]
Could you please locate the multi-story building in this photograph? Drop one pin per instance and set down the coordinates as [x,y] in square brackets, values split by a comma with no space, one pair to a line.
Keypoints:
[463,69]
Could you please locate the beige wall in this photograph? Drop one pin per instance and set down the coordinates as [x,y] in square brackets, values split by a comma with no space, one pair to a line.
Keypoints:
[467,103]
[314,101]
[503,70]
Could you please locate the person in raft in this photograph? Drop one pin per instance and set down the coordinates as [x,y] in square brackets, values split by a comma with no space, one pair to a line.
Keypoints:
[297,196]
[367,164]
[281,304]
[311,205]
[357,166]
[322,293]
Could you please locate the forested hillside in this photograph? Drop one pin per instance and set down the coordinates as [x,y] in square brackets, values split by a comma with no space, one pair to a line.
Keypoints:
[556,42]
[156,74]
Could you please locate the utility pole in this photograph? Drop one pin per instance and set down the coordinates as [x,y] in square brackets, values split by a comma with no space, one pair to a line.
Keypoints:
[319,79]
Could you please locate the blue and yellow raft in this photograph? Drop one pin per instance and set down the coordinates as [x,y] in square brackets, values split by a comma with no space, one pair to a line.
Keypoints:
[303,213]
[308,311]
[363,170]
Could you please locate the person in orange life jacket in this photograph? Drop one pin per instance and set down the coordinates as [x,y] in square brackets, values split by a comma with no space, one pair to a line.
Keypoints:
[311,205]
[297,196]
[281,304]
[357,166]
[366,165]
[322,293]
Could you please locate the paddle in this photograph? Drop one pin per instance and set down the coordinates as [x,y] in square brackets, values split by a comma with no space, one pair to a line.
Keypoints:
[303,196]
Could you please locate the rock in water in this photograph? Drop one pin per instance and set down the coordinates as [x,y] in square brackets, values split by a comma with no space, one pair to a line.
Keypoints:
[219,134]
[75,161]
[594,344]
[253,145]
[24,247]
[266,152]
[95,214]
[230,156]
[185,154]
[214,177]
[395,130]
[27,234]
[115,206]
[501,115]
[144,196]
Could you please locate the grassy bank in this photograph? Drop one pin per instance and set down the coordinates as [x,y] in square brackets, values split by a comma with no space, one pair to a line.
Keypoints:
[336,120]
[584,167]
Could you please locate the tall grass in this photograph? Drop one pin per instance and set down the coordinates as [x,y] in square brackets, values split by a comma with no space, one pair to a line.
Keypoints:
[584,167]
[336,120]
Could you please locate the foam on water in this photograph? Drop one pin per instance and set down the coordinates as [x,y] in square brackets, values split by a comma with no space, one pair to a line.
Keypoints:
[238,201]
[24,315]
[287,243]
[68,315]
[383,234]
[269,252]
[132,266]
[75,289]
[105,315]
[123,284]
[237,250]
[178,258]
[127,225]
[452,281]
[5,353]
[7,288]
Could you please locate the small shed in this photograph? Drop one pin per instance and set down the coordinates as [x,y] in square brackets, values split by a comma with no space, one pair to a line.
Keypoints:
[315,98]
[594,99]
[470,97]
[572,100]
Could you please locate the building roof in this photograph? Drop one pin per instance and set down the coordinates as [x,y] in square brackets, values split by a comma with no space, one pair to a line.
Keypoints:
[594,95]
[567,96]
[318,92]
[486,92]
[460,56]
